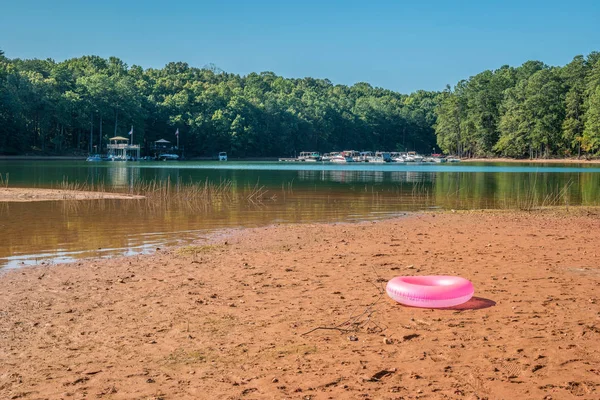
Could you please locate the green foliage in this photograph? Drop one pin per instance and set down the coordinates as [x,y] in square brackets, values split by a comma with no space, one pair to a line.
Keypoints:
[451,113]
[530,111]
[591,133]
[79,103]
[73,106]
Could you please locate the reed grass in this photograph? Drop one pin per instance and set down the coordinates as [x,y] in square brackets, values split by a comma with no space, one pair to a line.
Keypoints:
[530,199]
[209,196]
[70,188]
[164,195]
[4,180]
[419,195]
[164,191]
[198,196]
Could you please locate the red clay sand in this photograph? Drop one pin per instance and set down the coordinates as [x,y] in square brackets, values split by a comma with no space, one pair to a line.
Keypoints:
[297,312]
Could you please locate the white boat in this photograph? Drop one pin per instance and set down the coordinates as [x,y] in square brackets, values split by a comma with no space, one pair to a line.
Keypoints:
[336,158]
[364,156]
[396,157]
[309,156]
[412,156]
[113,157]
[95,157]
[222,156]
[381,157]
[351,155]
[168,156]
[402,157]
[376,159]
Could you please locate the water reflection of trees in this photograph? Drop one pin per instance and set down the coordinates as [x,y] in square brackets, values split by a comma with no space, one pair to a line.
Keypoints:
[323,196]
[474,189]
[516,190]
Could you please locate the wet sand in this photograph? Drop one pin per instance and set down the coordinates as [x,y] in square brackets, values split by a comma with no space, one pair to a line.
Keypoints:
[32,194]
[298,312]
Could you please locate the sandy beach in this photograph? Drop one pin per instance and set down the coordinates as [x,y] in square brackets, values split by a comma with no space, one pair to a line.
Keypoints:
[298,312]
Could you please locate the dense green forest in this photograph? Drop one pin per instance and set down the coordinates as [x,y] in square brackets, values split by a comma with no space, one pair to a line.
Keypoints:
[531,111]
[74,106]
[47,106]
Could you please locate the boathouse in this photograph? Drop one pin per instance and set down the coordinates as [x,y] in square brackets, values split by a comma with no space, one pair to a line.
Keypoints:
[119,148]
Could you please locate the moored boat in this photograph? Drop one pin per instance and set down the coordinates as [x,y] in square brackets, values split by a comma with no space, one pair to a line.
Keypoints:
[337,158]
[309,156]
[438,158]
[351,155]
[412,156]
[168,157]
[95,157]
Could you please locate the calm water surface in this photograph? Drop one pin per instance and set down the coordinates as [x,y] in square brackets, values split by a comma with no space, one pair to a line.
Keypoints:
[60,231]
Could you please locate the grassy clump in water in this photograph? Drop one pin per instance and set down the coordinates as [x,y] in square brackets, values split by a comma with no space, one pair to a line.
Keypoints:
[196,195]
[4,181]
[530,199]
[165,193]
[160,191]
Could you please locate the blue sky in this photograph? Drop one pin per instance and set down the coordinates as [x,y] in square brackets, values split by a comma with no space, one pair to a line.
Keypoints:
[399,45]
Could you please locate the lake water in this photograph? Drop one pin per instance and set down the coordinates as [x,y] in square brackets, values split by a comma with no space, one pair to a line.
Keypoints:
[50,232]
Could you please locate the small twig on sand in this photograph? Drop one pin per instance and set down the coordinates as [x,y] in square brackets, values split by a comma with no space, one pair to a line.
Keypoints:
[361,319]
[334,328]
[379,279]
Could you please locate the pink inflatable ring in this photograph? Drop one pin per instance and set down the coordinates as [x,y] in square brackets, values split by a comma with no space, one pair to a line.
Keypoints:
[430,291]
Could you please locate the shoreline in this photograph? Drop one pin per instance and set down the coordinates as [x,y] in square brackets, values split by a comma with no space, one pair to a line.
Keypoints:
[534,160]
[83,158]
[496,159]
[49,158]
[297,311]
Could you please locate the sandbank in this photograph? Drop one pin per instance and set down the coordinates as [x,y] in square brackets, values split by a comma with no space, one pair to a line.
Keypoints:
[34,194]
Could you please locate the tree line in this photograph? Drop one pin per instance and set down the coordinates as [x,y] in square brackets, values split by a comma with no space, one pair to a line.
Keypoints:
[535,111]
[74,106]
[77,104]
